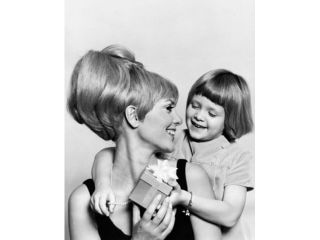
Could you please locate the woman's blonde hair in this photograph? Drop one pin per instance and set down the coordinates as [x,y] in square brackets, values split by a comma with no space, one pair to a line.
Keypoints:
[104,83]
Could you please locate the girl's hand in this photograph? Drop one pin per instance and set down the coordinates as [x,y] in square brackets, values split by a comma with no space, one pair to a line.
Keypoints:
[100,199]
[155,225]
[178,196]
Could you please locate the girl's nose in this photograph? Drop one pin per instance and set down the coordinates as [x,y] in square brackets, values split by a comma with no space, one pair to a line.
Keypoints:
[198,116]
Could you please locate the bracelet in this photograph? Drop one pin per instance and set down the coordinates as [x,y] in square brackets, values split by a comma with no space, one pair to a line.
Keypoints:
[190,201]
[187,212]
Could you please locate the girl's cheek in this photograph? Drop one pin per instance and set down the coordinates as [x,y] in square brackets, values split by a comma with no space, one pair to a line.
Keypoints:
[189,112]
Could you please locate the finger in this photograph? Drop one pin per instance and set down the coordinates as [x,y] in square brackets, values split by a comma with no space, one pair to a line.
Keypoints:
[97,207]
[162,212]
[103,206]
[171,224]
[167,218]
[112,200]
[151,208]
[93,198]
[176,187]
[92,203]
[172,182]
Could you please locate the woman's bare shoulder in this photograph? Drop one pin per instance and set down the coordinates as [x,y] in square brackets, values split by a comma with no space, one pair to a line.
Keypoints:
[79,198]
[105,152]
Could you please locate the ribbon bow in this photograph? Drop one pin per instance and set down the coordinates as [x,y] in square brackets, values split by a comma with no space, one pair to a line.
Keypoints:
[163,171]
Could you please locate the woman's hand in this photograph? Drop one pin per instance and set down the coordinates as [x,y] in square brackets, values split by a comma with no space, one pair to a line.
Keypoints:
[155,225]
[102,199]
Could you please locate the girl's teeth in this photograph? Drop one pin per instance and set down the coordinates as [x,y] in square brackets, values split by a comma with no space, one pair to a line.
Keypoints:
[197,126]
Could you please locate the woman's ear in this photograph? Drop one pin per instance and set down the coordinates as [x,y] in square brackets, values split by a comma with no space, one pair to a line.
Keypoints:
[132,116]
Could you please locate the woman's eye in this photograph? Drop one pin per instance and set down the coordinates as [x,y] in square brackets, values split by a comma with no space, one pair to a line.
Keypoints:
[169,108]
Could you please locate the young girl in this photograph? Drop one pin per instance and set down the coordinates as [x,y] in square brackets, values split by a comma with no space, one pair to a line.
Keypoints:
[218,112]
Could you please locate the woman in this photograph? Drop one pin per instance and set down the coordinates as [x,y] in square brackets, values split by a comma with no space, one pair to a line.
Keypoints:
[119,100]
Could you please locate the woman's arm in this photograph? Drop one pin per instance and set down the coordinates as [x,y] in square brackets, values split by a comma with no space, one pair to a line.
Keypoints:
[81,223]
[199,184]
[101,171]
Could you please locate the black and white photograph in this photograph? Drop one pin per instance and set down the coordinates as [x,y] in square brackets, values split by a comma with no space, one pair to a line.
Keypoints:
[159,120]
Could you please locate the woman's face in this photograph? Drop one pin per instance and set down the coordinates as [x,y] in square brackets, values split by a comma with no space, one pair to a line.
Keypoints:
[159,126]
[204,119]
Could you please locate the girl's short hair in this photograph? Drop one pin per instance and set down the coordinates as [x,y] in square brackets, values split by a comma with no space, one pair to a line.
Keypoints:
[230,91]
[104,83]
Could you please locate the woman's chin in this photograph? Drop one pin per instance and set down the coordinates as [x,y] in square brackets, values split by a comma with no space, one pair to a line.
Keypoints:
[168,149]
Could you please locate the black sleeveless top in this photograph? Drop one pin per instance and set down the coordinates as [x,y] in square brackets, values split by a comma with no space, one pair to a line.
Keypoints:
[182,228]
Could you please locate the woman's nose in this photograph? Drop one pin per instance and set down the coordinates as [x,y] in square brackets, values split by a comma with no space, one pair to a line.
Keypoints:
[177,119]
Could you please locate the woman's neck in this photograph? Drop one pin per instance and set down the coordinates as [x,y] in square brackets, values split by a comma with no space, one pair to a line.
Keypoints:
[129,162]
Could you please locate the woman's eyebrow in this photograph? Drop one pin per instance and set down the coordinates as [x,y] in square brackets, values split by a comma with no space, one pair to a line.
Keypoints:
[171,101]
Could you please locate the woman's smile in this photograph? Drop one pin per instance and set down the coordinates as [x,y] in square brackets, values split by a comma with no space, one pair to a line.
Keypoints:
[162,117]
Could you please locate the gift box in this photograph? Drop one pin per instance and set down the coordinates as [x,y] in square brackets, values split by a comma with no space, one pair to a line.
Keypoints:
[152,183]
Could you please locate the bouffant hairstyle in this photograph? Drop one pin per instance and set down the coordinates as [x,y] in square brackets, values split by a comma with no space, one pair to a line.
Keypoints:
[230,91]
[104,83]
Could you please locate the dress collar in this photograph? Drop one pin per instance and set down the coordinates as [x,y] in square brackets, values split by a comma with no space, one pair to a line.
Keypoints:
[209,146]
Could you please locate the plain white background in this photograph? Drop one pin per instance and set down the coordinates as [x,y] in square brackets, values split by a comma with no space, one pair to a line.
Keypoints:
[32,122]
[180,40]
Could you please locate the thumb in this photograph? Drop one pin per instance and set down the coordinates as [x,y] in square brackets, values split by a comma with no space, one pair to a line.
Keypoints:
[176,186]
[135,215]
[172,182]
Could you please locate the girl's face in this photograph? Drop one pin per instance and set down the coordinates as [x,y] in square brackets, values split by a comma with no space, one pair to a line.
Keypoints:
[204,119]
[159,126]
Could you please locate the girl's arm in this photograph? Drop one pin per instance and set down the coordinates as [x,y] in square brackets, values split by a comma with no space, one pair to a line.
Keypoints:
[102,165]
[101,172]
[226,212]
[199,184]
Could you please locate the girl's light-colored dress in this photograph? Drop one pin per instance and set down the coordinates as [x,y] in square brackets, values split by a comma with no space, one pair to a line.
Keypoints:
[226,164]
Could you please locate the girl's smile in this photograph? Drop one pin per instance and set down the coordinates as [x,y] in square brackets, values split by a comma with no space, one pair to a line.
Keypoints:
[204,118]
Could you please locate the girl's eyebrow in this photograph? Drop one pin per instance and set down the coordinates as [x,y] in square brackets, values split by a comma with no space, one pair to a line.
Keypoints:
[213,110]
[195,101]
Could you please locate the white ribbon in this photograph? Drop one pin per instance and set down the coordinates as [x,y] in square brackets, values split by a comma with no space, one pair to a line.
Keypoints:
[163,171]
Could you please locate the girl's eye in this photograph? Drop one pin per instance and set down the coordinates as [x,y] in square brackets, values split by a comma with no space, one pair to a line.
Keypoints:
[194,106]
[212,114]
